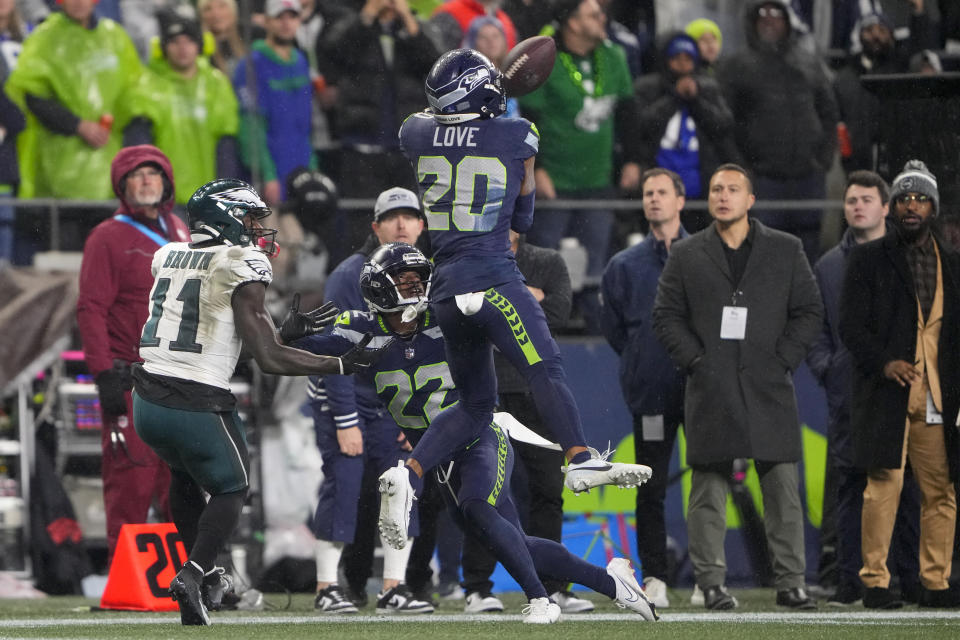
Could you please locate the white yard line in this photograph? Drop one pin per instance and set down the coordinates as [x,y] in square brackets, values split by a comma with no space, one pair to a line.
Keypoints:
[838,618]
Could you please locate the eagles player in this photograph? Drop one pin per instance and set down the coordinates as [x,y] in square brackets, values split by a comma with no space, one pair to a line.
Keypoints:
[414,382]
[207,303]
[475,170]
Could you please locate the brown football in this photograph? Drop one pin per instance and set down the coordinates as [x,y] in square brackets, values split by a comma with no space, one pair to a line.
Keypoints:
[528,65]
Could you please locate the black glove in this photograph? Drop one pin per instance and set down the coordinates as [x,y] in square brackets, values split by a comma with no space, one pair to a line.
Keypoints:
[359,357]
[298,325]
[111,387]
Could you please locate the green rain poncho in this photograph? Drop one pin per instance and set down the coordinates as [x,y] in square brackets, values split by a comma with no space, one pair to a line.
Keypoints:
[189,117]
[87,71]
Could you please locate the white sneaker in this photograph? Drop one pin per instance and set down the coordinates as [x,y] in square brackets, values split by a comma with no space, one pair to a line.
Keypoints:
[696,598]
[656,591]
[629,594]
[597,471]
[333,600]
[541,611]
[396,500]
[570,603]
[399,599]
[482,603]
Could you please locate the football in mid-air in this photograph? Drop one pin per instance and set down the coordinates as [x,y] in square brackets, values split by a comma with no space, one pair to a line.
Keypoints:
[528,65]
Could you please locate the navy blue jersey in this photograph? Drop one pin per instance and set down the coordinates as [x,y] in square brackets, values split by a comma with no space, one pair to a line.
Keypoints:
[412,378]
[470,176]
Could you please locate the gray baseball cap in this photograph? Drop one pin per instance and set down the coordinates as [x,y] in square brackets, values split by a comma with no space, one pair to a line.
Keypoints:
[396,198]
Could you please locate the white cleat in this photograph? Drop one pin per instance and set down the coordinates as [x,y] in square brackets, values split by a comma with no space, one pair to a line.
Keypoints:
[597,472]
[629,594]
[541,611]
[396,500]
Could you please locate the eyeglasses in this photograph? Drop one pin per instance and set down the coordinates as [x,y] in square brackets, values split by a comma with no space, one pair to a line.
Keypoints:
[913,197]
[143,174]
[771,12]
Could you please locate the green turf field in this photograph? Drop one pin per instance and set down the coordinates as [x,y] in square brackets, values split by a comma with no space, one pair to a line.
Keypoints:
[293,618]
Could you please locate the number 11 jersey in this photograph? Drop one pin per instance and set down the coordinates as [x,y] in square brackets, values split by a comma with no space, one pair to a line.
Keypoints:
[191,333]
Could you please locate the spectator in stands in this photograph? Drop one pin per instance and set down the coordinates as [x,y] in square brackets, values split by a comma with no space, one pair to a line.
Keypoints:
[910,20]
[219,17]
[275,113]
[874,52]
[628,40]
[865,207]
[737,309]
[378,58]
[709,42]
[450,21]
[69,141]
[575,111]
[898,318]
[651,384]
[486,35]
[113,305]
[528,16]
[13,29]
[186,107]
[354,429]
[685,124]
[540,496]
[786,118]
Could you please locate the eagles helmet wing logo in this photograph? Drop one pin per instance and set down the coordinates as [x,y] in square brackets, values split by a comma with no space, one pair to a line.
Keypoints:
[239,196]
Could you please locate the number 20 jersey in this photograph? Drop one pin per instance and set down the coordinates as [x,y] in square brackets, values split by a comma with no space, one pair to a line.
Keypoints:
[470,175]
[191,333]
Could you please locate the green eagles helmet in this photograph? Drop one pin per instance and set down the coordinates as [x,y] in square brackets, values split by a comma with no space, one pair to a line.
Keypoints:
[220,209]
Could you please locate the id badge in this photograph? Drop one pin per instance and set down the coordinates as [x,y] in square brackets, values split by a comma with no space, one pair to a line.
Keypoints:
[734,323]
[933,416]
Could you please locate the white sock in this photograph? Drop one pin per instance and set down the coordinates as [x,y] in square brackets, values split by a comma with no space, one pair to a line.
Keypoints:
[395,561]
[328,557]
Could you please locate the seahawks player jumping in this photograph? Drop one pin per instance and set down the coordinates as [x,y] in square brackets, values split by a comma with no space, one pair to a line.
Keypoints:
[207,303]
[475,170]
[413,380]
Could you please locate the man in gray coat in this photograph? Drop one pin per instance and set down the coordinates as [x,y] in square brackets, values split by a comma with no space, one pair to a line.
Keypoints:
[737,309]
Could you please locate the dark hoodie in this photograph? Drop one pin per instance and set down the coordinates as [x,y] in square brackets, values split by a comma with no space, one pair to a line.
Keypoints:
[782,104]
[115,276]
[657,102]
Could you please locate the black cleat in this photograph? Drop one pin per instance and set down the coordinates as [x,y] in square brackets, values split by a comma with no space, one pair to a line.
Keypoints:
[185,590]
[215,589]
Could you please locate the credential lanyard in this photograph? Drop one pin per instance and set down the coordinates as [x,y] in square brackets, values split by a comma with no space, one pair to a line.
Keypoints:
[144,229]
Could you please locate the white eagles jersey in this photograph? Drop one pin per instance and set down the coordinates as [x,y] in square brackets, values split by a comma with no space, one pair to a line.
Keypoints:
[191,333]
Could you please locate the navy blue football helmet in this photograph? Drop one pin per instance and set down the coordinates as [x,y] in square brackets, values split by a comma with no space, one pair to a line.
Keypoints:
[380,281]
[464,85]
[220,209]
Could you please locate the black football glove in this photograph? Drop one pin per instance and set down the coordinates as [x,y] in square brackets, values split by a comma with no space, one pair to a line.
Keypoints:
[359,358]
[298,325]
[111,388]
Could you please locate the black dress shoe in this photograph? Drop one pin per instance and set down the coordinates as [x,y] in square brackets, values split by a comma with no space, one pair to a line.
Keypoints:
[847,593]
[717,599]
[939,598]
[796,598]
[910,593]
[880,598]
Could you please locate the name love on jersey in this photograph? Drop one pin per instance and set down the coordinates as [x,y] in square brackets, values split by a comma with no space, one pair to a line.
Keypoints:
[455,136]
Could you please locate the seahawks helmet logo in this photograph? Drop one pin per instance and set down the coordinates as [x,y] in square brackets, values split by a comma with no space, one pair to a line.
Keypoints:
[243,197]
[457,90]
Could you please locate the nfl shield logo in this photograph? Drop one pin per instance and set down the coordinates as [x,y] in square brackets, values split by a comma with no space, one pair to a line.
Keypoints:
[408,353]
